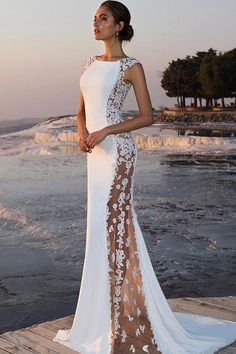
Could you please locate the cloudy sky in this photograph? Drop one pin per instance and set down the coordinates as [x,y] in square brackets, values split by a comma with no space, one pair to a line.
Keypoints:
[44,43]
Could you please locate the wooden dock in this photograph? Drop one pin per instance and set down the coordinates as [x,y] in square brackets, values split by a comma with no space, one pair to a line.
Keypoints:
[38,338]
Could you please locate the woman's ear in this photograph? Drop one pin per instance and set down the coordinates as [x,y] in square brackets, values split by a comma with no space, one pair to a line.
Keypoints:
[121,25]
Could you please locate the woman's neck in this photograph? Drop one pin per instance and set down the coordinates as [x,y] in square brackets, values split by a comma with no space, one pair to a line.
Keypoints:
[113,51]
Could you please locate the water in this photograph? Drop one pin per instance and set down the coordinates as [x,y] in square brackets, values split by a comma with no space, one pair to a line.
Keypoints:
[60,133]
[185,202]
[10,126]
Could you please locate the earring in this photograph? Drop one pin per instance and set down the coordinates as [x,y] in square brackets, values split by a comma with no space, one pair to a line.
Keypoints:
[117,33]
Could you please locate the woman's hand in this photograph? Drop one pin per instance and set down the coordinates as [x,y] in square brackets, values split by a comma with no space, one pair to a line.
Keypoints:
[96,137]
[82,141]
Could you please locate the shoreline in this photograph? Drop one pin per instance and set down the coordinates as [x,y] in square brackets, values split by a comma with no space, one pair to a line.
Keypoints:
[195,117]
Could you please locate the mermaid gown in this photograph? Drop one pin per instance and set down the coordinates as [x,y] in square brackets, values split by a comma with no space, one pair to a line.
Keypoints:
[121,308]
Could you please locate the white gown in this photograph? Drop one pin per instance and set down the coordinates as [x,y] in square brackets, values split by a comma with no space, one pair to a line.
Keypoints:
[121,308]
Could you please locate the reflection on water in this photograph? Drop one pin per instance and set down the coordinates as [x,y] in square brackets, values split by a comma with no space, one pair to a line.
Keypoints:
[230,133]
[69,149]
[207,129]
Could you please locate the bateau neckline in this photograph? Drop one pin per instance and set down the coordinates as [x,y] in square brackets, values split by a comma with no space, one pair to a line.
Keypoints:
[110,61]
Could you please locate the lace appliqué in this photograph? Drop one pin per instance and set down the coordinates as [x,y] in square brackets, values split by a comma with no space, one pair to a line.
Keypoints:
[119,92]
[87,63]
[131,330]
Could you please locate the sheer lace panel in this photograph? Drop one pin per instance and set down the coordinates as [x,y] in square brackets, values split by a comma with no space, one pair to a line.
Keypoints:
[130,327]
[119,93]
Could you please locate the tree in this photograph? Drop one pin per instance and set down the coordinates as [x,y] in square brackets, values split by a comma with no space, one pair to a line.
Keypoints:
[206,75]
[212,82]
[229,67]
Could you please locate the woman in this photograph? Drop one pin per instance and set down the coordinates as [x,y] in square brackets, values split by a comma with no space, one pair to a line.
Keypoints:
[121,307]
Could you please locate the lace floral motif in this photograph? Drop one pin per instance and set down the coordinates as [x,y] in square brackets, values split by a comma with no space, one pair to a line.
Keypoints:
[131,330]
[87,63]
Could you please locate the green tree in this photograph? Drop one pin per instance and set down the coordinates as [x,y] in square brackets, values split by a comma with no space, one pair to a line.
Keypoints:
[212,83]
[229,67]
[206,75]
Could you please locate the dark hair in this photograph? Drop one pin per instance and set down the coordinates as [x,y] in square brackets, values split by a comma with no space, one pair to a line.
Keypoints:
[121,13]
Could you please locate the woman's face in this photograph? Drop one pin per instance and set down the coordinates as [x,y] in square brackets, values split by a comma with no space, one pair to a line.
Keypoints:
[104,24]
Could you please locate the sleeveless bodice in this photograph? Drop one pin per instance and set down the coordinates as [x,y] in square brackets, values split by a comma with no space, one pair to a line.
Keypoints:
[104,90]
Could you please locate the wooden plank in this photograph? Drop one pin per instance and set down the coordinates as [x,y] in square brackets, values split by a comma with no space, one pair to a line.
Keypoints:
[43,331]
[5,344]
[38,339]
[26,343]
[18,344]
[66,319]
[181,305]
[26,334]
[66,322]
[14,346]
[229,300]
[228,350]
[223,301]
[3,351]
[213,308]
[54,327]
[15,349]
[210,304]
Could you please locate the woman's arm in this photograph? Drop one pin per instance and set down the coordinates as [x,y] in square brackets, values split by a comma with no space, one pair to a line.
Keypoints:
[81,126]
[81,121]
[136,76]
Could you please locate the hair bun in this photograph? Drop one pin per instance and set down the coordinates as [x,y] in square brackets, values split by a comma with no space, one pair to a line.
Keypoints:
[127,33]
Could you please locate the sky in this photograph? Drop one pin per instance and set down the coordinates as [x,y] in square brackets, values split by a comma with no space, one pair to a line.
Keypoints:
[44,44]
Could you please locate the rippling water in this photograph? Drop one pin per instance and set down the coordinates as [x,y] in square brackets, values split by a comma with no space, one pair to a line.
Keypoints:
[186,207]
